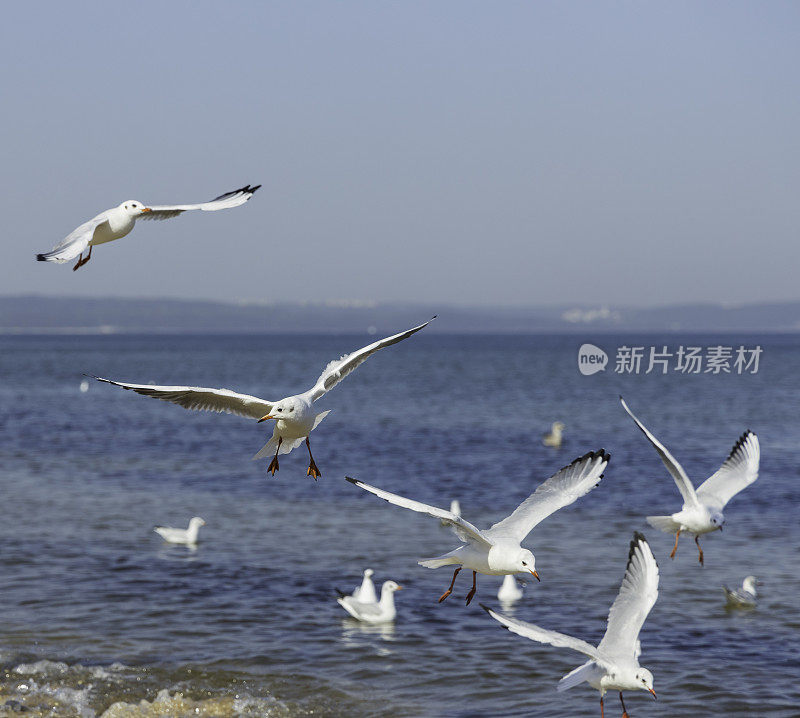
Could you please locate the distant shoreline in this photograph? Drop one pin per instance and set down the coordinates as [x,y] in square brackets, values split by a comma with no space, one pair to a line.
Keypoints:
[26,315]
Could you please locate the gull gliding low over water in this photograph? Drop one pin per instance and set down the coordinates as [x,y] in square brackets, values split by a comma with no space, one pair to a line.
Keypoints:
[118,222]
[702,509]
[497,551]
[188,537]
[295,417]
[614,663]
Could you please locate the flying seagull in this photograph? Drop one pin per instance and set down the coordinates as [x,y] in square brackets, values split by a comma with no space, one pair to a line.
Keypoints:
[702,508]
[294,416]
[117,222]
[497,551]
[614,664]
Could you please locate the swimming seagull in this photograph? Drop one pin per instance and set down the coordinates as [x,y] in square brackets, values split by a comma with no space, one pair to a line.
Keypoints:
[497,551]
[554,438]
[614,663]
[745,596]
[509,591]
[294,416]
[187,537]
[365,593]
[381,612]
[117,222]
[702,509]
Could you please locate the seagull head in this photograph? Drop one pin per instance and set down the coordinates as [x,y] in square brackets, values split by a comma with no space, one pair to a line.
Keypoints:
[196,521]
[526,563]
[368,573]
[391,587]
[717,519]
[644,680]
[134,208]
[286,409]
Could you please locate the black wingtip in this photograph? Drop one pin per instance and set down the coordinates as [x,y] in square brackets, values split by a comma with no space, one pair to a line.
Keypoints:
[40,258]
[339,593]
[638,537]
[600,453]
[485,608]
[351,480]
[252,190]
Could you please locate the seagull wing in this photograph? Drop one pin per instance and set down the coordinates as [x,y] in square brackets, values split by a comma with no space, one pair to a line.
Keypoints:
[224,201]
[543,635]
[202,399]
[75,243]
[738,471]
[636,597]
[674,468]
[340,368]
[560,490]
[464,529]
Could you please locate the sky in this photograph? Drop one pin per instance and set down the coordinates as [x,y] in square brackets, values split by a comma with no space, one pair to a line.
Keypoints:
[625,153]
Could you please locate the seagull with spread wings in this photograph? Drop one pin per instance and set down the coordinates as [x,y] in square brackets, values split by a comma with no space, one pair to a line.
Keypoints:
[496,551]
[702,508]
[117,222]
[295,416]
[614,664]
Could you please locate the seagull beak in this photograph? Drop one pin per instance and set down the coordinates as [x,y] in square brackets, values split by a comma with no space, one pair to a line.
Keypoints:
[264,418]
[720,527]
[536,575]
[655,697]
[145,210]
[399,588]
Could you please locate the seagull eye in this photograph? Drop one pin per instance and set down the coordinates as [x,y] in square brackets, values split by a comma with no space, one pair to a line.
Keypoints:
[280,409]
[524,564]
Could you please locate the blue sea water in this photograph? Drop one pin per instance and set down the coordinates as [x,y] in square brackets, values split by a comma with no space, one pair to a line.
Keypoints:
[98,614]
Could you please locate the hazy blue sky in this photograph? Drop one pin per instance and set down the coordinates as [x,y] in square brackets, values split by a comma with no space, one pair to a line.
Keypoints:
[456,152]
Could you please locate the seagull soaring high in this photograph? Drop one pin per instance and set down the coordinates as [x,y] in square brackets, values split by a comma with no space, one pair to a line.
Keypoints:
[614,664]
[117,222]
[497,550]
[295,416]
[702,508]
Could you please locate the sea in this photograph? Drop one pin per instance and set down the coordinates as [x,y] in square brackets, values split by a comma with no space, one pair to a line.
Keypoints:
[99,617]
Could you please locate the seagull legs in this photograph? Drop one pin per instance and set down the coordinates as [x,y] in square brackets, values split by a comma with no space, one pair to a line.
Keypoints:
[312,467]
[624,712]
[474,587]
[452,583]
[700,557]
[81,261]
[675,547]
[602,712]
[273,465]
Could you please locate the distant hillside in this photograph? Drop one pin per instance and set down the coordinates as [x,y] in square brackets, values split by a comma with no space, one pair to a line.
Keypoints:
[34,314]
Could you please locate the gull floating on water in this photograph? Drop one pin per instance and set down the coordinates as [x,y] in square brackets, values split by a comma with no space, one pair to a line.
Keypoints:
[187,537]
[365,593]
[381,612]
[117,222]
[509,590]
[702,509]
[294,416]
[554,438]
[614,663]
[455,509]
[497,551]
[745,596]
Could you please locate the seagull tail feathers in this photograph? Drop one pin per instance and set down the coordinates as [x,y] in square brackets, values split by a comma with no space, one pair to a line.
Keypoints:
[663,523]
[439,561]
[576,677]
